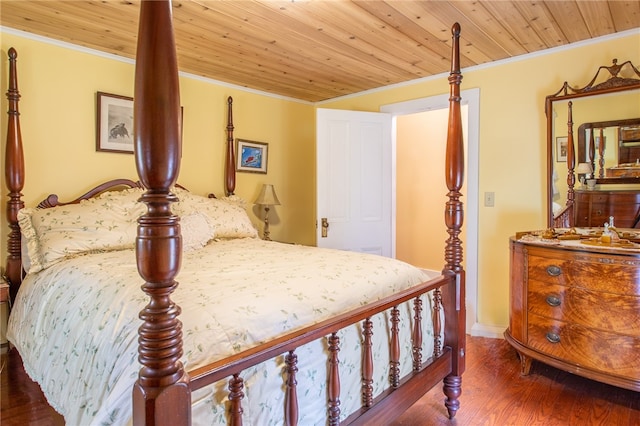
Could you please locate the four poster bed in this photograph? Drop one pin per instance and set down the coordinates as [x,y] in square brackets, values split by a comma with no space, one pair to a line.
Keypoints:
[317,336]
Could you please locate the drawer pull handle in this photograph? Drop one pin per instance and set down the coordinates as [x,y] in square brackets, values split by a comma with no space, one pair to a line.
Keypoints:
[553,301]
[553,337]
[554,270]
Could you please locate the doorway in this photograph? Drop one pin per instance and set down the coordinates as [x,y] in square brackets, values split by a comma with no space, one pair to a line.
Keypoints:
[431,105]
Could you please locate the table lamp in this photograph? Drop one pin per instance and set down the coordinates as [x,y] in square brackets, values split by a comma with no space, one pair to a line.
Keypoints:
[584,169]
[267,198]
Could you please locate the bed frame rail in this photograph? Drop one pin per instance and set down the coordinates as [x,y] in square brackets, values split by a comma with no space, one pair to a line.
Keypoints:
[564,219]
[393,404]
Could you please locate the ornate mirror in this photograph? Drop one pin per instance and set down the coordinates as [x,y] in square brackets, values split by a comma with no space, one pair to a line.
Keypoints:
[593,134]
[613,162]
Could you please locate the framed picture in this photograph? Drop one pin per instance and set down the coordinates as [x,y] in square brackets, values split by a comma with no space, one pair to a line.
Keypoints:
[252,156]
[114,130]
[561,149]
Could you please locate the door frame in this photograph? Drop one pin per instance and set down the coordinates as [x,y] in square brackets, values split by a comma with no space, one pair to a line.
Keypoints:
[471,98]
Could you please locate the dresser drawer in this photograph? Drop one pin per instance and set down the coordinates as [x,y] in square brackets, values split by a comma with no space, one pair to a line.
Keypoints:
[593,208]
[600,310]
[599,214]
[596,272]
[583,213]
[591,197]
[599,197]
[629,134]
[604,351]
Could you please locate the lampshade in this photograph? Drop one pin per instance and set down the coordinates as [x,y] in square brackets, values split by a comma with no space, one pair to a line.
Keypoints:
[584,168]
[267,196]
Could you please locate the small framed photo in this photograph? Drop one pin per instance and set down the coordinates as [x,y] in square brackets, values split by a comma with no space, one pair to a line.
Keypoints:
[114,129]
[561,149]
[252,156]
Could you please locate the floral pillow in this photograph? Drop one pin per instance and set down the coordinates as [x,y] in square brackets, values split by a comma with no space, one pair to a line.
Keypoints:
[110,221]
[227,216]
[106,222]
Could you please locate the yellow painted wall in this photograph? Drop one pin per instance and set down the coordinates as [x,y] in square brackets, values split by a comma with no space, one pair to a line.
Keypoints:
[512,143]
[420,150]
[58,89]
[420,168]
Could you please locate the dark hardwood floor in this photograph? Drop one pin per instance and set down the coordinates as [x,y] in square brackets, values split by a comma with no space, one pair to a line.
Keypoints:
[493,393]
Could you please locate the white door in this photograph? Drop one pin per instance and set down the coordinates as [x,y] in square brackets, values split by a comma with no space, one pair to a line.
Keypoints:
[354,179]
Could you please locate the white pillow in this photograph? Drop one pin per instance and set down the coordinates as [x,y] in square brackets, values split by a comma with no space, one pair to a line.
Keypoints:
[228,218]
[196,230]
[106,222]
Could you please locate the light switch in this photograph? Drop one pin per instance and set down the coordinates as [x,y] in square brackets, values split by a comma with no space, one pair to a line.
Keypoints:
[489,199]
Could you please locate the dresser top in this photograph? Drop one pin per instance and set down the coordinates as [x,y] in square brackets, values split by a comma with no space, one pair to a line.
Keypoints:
[583,239]
[633,191]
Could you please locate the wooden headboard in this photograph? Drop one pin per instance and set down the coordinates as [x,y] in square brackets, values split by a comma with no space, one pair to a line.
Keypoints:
[15,172]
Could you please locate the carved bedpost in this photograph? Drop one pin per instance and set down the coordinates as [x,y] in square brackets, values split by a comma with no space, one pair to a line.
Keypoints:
[601,148]
[571,160]
[591,151]
[14,175]
[454,294]
[230,161]
[161,395]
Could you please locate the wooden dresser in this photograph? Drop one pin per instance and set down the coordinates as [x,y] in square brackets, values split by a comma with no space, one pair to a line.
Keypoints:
[577,308]
[593,208]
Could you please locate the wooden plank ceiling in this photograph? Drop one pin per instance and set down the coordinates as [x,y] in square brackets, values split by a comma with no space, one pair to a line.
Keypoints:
[321,49]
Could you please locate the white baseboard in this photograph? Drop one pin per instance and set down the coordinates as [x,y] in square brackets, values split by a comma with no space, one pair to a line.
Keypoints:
[483,330]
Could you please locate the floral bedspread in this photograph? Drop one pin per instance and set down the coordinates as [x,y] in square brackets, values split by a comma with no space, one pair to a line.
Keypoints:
[75,325]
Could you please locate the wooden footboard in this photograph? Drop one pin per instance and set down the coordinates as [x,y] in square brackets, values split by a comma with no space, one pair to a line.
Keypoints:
[402,392]
[564,219]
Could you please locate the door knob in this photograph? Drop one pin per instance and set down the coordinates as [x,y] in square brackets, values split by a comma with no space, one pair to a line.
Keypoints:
[325,227]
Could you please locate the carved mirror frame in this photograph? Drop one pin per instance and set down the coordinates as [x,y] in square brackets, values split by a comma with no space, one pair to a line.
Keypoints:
[592,153]
[612,84]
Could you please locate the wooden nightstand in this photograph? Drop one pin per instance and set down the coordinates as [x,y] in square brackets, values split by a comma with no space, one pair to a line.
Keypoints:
[4,299]
[4,292]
